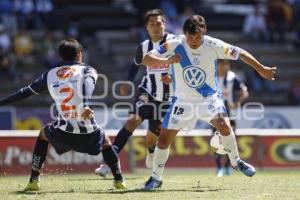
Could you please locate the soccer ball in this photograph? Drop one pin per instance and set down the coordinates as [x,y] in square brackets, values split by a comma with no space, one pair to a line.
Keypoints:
[216,144]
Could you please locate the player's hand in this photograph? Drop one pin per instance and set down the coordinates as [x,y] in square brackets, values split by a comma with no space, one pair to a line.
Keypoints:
[174,59]
[124,89]
[166,79]
[268,73]
[87,113]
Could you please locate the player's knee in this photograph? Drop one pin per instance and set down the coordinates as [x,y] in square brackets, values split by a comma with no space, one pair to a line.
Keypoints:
[42,135]
[132,123]
[155,128]
[107,143]
[224,129]
[163,142]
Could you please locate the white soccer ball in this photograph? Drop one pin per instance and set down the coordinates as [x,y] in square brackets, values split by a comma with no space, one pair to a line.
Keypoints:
[216,144]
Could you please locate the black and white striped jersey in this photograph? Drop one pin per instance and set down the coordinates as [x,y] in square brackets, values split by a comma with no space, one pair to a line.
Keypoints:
[71,86]
[231,86]
[67,86]
[151,81]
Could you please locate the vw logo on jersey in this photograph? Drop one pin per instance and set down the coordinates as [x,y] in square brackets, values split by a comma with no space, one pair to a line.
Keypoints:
[194,76]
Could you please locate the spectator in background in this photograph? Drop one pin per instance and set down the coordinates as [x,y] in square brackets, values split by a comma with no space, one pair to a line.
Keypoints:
[170,9]
[5,43]
[7,16]
[7,67]
[295,4]
[255,26]
[44,10]
[294,92]
[279,17]
[23,47]
[25,9]
[72,31]
[48,49]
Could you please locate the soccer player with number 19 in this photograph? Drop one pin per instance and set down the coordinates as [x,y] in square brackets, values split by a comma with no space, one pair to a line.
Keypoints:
[193,57]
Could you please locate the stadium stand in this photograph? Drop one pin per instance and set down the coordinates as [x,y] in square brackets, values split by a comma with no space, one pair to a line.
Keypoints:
[106,28]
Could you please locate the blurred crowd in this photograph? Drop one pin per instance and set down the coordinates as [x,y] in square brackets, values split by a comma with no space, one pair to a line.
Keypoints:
[28,36]
[270,21]
[17,46]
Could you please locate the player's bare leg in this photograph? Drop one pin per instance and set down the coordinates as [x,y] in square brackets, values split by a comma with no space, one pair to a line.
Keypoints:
[161,154]
[38,159]
[222,124]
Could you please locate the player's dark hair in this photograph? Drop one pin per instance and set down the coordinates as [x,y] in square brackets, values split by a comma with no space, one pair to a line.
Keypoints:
[194,24]
[154,12]
[68,49]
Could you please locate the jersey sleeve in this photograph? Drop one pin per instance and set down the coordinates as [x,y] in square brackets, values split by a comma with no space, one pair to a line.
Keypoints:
[223,49]
[88,89]
[36,87]
[91,72]
[139,55]
[132,72]
[39,84]
[166,50]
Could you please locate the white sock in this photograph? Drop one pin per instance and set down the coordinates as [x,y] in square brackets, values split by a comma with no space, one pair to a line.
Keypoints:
[229,143]
[101,159]
[159,160]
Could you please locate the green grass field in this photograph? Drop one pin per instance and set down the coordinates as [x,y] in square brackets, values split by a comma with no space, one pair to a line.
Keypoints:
[178,184]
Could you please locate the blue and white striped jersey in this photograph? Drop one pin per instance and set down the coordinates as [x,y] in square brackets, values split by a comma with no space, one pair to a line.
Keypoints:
[195,76]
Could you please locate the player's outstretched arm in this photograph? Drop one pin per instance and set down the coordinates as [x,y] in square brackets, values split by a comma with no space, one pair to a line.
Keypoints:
[153,60]
[264,71]
[36,87]
[21,94]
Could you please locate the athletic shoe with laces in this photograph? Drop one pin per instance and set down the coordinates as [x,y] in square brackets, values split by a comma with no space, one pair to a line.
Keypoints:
[149,160]
[246,168]
[32,185]
[120,185]
[152,183]
[103,170]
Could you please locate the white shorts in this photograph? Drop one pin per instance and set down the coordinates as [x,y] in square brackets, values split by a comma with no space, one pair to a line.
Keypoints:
[182,113]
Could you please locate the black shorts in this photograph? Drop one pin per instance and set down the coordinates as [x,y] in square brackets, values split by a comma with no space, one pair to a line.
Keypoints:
[147,107]
[62,141]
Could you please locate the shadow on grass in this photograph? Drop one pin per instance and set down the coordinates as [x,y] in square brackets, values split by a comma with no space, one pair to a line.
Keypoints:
[113,191]
[102,179]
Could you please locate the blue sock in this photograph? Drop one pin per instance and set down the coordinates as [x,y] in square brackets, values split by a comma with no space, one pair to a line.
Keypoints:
[121,139]
[112,160]
[38,158]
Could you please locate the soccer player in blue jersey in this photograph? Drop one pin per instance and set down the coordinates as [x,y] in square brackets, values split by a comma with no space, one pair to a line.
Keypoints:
[154,90]
[196,92]
[71,85]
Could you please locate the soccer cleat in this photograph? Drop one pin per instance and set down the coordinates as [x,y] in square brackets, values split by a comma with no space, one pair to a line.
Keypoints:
[149,160]
[246,168]
[33,185]
[220,172]
[152,183]
[103,170]
[120,185]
